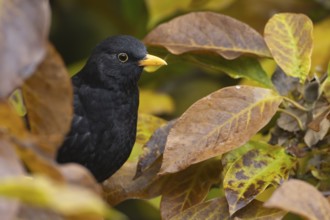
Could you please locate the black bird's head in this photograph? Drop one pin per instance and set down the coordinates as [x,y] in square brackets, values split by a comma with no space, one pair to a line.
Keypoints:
[118,59]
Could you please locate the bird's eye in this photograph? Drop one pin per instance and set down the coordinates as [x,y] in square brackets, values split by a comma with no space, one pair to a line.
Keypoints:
[123,57]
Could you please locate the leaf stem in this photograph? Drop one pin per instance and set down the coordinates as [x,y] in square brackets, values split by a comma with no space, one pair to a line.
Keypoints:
[296,104]
[293,116]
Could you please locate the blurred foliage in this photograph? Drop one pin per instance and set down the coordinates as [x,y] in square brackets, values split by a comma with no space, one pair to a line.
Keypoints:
[78,25]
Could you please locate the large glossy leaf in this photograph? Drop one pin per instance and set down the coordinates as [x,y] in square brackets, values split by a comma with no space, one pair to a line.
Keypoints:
[301,198]
[289,38]
[189,187]
[218,123]
[208,31]
[48,98]
[250,174]
[23,32]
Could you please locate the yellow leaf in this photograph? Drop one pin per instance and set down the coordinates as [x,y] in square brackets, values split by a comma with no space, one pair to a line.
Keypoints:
[155,103]
[146,126]
[42,192]
[321,50]
[289,38]
[16,100]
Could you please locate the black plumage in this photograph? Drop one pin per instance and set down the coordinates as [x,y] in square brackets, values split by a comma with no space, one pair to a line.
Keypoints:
[106,99]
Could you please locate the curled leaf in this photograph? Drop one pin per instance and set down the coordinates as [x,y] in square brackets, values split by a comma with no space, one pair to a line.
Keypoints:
[300,198]
[154,148]
[208,31]
[216,124]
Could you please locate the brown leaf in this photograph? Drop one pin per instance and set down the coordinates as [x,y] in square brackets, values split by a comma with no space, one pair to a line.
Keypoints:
[212,209]
[24,29]
[208,31]
[189,187]
[313,137]
[300,198]
[289,123]
[48,97]
[256,211]
[216,124]
[154,148]
[121,185]
[29,212]
[13,130]
[316,123]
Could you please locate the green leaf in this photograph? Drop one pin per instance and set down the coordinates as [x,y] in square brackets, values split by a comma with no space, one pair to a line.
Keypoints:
[246,67]
[289,38]
[253,172]
[16,100]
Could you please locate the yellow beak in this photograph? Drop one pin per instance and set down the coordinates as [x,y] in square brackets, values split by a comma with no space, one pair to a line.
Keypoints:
[151,63]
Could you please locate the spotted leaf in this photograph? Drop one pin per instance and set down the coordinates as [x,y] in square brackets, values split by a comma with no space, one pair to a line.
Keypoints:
[252,172]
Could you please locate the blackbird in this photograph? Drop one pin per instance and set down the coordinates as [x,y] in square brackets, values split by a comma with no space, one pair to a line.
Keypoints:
[106,100]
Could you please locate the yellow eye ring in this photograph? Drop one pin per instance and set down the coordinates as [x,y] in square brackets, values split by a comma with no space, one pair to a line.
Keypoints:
[122,57]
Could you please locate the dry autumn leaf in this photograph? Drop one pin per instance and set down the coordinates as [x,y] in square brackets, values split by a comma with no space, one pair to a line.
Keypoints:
[24,30]
[48,97]
[208,31]
[212,209]
[300,198]
[218,123]
[26,145]
[289,38]
[189,187]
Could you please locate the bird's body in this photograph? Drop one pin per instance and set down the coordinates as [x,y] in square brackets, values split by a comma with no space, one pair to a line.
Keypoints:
[106,99]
